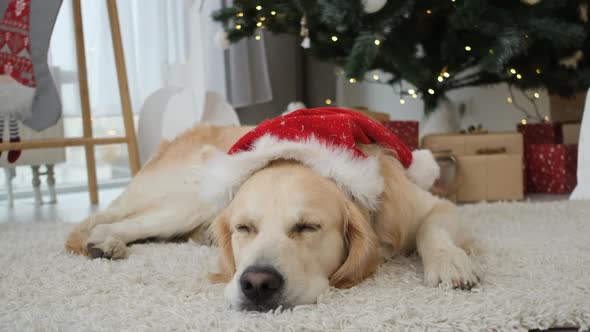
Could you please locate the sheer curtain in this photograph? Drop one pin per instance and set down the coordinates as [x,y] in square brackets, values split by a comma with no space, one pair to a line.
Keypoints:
[155,35]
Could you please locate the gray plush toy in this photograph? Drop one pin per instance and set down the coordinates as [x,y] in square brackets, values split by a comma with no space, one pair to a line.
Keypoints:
[27,90]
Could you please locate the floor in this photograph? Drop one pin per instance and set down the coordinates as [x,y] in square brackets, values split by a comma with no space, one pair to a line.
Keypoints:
[71,207]
[162,281]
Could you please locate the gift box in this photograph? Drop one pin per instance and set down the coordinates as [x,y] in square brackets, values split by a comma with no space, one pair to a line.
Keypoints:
[545,134]
[571,133]
[406,131]
[552,168]
[567,109]
[541,133]
[488,166]
[372,114]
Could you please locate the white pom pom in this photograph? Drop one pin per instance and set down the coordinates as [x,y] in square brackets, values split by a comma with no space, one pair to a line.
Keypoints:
[293,106]
[424,169]
[221,40]
[373,6]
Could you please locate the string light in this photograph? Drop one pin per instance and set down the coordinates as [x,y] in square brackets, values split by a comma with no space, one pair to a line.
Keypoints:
[334,38]
[546,118]
[431,91]
[512,71]
[257,37]
[262,19]
[259,7]
[411,91]
[402,101]
[538,71]
[328,101]
[440,79]
[467,48]
[376,77]
[238,26]
[259,24]
[429,12]
[377,42]
[352,80]
[240,14]
[447,75]
[491,51]
[509,99]
[414,96]
[536,95]
[523,121]
[273,13]
[518,76]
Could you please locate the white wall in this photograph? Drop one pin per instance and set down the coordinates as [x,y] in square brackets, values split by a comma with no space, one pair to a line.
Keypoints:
[487,105]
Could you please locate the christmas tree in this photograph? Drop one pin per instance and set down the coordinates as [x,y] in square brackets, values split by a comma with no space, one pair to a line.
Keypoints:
[435,45]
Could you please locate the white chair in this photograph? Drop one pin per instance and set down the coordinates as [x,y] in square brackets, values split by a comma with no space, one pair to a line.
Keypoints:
[185,100]
[582,190]
[39,157]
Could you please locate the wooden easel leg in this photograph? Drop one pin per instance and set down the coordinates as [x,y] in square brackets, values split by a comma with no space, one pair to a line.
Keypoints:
[123,86]
[85,102]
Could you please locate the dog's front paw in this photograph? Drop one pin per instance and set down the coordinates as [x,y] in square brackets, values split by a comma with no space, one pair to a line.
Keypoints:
[451,267]
[102,244]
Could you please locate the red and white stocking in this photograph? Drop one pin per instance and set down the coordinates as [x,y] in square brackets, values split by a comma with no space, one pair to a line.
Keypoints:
[17,78]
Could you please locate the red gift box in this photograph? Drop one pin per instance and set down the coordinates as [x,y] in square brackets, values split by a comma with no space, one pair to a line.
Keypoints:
[406,131]
[540,133]
[537,133]
[552,168]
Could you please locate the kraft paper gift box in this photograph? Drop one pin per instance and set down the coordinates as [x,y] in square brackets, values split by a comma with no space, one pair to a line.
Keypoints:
[567,109]
[571,133]
[489,166]
[406,131]
[374,115]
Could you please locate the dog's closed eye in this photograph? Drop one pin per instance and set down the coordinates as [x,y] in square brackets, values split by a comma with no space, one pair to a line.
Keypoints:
[303,227]
[245,228]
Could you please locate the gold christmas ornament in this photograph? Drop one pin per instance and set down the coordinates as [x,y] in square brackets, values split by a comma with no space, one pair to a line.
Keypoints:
[571,62]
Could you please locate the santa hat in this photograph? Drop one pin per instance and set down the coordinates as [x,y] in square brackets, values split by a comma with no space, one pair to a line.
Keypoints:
[324,139]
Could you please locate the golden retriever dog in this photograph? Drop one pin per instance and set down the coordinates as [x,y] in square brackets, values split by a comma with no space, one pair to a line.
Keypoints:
[288,233]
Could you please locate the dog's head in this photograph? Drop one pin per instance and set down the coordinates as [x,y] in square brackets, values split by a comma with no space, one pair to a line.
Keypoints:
[287,236]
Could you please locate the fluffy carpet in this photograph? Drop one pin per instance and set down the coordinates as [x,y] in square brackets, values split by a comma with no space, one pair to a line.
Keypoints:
[536,275]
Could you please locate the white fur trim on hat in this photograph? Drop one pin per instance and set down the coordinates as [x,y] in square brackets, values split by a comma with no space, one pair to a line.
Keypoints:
[424,169]
[15,98]
[360,178]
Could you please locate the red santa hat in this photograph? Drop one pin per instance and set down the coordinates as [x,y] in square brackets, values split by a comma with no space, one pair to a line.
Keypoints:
[324,139]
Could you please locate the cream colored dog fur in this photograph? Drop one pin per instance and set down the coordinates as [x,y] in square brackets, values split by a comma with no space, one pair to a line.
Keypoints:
[286,217]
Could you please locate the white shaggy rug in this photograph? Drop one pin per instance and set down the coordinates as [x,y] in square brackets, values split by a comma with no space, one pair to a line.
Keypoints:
[537,275]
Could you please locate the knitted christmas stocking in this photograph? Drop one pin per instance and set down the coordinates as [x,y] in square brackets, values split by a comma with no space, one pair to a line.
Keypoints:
[27,90]
[17,78]
[16,68]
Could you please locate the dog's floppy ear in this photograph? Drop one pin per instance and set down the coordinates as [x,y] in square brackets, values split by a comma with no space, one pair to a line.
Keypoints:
[363,250]
[222,237]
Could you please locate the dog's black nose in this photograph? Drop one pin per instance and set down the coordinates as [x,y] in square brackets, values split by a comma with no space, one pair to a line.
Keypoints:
[260,284]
